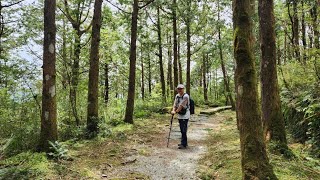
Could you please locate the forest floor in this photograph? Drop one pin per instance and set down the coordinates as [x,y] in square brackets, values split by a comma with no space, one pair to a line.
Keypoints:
[140,152]
[143,152]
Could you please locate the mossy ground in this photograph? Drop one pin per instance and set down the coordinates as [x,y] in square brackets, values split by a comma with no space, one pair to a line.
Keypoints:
[87,157]
[222,161]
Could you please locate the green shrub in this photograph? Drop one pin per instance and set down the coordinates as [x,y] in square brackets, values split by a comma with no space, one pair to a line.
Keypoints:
[22,140]
[58,151]
[26,165]
[301,105]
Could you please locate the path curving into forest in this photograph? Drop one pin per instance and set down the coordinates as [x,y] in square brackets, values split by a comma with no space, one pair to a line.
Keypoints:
[154,160]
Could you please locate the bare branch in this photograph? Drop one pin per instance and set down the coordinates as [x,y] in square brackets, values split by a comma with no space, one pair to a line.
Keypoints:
[117,7]
[149,2]
[9,5]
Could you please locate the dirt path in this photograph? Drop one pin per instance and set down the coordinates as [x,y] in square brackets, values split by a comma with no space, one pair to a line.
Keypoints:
[153,160]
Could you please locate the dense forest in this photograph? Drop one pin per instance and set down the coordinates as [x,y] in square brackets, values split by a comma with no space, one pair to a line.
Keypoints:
[79,77]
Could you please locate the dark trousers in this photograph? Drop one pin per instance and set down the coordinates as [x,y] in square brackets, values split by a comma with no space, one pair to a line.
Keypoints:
[183,128]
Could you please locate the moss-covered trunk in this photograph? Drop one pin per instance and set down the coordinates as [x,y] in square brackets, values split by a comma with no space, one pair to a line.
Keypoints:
[272,118]
[254,159]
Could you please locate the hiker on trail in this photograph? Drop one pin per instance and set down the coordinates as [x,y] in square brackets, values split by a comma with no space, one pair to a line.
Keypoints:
[181,106]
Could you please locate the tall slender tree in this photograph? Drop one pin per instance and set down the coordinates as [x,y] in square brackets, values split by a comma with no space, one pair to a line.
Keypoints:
[204,76]
[188,24]
[106,82]
[223,67]
[169,75]
[254,159]
[93,85]
[163,83]
[77,18]
[133,56]
[49,107]
[175,44]
[272,118]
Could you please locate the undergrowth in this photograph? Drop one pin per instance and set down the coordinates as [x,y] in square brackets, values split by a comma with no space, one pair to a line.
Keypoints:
[222,161]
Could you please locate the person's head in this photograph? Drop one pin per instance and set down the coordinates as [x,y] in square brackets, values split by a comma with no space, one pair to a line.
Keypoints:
[180,88]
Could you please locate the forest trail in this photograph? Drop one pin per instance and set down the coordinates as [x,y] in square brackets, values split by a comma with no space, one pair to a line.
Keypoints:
[160,162]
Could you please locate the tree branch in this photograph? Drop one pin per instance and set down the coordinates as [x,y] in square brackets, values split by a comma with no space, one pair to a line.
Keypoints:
[149,2]
[117,7]
[9,5]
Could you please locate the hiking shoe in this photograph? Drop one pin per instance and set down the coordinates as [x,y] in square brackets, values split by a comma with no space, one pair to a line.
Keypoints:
[182,147]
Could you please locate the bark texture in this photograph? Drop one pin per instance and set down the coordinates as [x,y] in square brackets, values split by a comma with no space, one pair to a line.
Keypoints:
[49,107]
[272,118]
[254,159]
[93,85]
[133,57]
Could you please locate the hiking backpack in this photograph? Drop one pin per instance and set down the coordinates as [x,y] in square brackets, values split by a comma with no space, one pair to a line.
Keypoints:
[191,105]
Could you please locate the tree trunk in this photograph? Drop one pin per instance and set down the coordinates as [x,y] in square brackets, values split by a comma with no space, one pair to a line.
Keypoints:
[75,20]
[106,83]
[75,77]
[149,75]
[65,74]
[314,14]
[224,71]
[304,38]
[142,76]
[296,30]
[163,83]
[93,85]
[49,107]
[204,75]
[132,72]
[179,63]
[175,44]
[254,159]
[1,31]
[188,50]
[272,118]
[169,75]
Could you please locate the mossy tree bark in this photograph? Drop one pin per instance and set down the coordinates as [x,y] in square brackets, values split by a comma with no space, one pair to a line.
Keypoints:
[272,118]
[49,107]
[93,85]
[254,159]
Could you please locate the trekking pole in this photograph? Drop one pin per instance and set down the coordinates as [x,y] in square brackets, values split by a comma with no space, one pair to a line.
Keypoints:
[170,130]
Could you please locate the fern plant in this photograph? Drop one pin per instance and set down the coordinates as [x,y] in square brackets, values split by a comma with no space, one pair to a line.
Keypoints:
[59,151]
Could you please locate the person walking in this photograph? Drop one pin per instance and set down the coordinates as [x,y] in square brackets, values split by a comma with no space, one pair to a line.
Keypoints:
[181,106]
